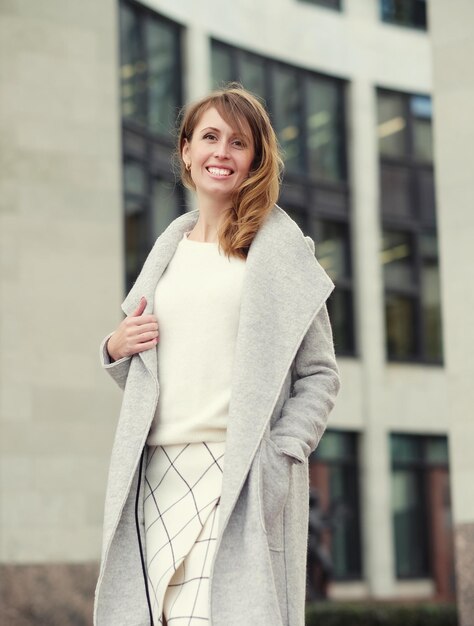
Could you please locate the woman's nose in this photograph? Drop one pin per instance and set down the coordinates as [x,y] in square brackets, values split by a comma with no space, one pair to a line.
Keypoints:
[221,149]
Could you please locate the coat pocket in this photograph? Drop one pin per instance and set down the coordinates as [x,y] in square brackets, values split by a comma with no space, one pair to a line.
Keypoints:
[274,469]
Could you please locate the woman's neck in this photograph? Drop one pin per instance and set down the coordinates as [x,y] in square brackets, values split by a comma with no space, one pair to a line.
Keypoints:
[207,225]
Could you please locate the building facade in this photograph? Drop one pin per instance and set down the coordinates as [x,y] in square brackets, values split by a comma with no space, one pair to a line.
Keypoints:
[90,182]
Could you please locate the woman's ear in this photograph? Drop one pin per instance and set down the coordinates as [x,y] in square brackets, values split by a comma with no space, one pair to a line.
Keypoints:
[185,151]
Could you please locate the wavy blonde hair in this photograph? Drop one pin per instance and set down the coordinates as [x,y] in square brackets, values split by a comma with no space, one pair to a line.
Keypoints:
[254,198]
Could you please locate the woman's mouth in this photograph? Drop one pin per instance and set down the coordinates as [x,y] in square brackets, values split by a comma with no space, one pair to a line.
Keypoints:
[219,171]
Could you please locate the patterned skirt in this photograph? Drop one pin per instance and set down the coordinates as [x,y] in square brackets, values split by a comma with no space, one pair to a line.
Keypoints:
[182,492]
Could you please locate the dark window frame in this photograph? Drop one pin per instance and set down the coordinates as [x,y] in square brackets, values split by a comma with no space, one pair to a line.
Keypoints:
[417,224]
[329,200]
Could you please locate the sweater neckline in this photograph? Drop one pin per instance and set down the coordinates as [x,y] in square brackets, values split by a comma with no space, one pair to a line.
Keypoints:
[197,243]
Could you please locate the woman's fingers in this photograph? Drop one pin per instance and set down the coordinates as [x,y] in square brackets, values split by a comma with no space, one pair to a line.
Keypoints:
[141,347]
[136,333]
[140,308]
[145,337]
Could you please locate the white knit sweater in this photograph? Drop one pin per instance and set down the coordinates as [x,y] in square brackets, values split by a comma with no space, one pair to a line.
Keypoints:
[197,303]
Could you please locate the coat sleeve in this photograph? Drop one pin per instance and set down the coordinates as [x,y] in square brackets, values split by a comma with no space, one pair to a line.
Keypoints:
[316,384]
[117,369]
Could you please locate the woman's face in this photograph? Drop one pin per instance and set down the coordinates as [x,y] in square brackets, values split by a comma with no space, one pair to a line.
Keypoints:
[220,157]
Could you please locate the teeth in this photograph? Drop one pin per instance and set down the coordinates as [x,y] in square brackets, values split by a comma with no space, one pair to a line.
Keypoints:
[218,171]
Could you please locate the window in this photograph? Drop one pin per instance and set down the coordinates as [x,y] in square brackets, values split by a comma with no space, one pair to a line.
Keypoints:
[421,509]
[329,4]
[151,98]
[410,13]
[307,111]
[334,474]
[409,253]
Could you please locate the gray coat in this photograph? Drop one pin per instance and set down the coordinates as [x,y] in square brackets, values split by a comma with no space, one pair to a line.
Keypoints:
[285,381]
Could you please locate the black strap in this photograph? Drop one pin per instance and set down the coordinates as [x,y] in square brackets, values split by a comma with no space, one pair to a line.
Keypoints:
[145,575]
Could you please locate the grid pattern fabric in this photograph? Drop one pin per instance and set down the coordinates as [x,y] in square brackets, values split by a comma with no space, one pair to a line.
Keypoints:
[182,491]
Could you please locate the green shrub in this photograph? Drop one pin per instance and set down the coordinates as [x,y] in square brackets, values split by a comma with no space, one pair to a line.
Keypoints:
[380,614]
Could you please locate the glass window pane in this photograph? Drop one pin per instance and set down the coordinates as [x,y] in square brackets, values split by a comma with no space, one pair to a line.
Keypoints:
[340,310]
[286,117]
[400,326]
[332,246]
[404,12]
[426,195]
[252,74]
[134,178]
[396,190]
[132,67]
[408,521]
[392,125]
[165,203]
[406,448]
[333,446]
[421,110]
[136,238]
[436,450]
[323,129]
[329,4]
[397,259]
[221,60]
[163,75]
[431,310]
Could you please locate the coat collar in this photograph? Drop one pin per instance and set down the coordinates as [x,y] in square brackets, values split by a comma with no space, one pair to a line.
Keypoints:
[284,287]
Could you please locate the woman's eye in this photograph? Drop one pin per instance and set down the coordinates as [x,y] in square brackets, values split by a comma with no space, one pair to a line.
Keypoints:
[209,136]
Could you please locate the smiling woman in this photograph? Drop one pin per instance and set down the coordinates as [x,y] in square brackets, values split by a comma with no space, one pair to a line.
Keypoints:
[218,159]
[207,501]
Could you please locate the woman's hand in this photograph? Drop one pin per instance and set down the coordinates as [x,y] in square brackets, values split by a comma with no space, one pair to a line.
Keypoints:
[136,333]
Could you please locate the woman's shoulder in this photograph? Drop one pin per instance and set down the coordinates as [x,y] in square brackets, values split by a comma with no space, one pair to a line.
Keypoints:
[289,226]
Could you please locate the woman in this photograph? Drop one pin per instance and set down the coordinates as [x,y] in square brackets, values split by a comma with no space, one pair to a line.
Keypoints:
[227,364]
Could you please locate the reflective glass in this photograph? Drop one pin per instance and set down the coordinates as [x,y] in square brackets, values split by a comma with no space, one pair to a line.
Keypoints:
[162,94]
[136,237]
[252,74]
[400,326]
[406,448]
[431,309]
[132,67]
[332,246]
[221,63]
[421,110]
[134,177]
[397,259]
[340,538]
[335,446]
[409,524]
[323,129]
[329,4]
[340,311]
[286,105]
[397,190]
[392,125]
[165,201]
[436,450]
[404,12]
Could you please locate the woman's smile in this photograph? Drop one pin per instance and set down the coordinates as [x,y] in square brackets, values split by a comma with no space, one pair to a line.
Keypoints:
[219,172]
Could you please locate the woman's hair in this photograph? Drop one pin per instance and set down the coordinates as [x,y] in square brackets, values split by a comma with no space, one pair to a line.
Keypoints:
[254,198]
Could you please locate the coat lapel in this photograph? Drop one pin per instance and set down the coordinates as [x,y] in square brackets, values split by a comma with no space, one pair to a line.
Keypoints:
[284,287]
